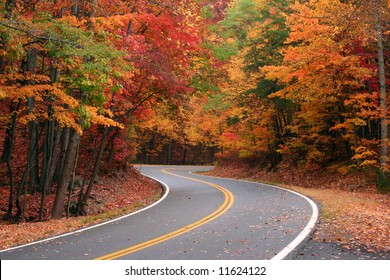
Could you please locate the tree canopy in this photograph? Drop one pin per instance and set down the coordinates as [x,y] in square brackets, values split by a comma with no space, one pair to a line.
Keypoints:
[92,86]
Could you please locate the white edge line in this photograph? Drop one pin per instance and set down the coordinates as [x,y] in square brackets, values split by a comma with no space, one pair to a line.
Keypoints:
[302,235]
[166,192]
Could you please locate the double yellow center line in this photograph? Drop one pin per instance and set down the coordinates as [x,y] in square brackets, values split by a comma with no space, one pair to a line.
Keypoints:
[227,203]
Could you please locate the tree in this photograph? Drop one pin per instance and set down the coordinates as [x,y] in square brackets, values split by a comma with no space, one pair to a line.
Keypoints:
[382,88]
[302,76]
[73,71]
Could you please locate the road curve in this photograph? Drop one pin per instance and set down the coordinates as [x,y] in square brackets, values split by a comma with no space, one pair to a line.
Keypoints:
[199,218]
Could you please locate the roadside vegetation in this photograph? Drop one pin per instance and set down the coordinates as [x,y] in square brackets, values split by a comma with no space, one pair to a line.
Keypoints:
[293,88]
[112,197]
[355,216]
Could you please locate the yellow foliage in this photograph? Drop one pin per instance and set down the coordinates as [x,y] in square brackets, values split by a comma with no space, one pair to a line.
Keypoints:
[344,170]
[27,118]
[359,122]
[72,20]
[369,163]
[2,94]
[366,155]
[67,119]
[340,126]
[98,119]
[65,98]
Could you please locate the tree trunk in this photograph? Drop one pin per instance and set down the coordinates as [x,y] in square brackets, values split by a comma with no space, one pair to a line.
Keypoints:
[382,90]
[3,42]
[47,153]
[150,149]
[47,158]
[20,213]
[80,209]
[49,147]
[7,155]
[64,148]
[111,144]
[32,55]
[184,156]
[22,183]
[66,175]
[212,154]
[169,152]
[75,10]
[54,160]
[129,27]
[111,153]
[95,169]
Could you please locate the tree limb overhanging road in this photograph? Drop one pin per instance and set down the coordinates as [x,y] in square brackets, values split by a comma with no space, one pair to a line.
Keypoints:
[198,218]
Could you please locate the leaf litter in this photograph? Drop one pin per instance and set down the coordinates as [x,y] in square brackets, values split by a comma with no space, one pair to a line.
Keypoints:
[357,219]
[112,196]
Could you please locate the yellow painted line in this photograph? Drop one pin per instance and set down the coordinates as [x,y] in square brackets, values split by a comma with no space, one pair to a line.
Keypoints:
[227,203]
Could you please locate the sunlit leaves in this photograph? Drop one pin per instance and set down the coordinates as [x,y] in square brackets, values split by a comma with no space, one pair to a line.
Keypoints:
[300,75]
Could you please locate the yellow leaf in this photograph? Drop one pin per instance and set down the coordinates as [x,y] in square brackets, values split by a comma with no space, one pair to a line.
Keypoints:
[2,94]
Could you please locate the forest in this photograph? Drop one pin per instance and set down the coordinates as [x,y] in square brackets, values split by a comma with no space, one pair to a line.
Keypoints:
[91,86]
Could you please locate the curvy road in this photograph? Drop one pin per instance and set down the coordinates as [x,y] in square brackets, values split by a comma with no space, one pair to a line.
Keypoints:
[198,218]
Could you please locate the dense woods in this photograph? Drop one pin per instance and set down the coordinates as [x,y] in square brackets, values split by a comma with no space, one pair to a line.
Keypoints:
[89,87]
[307,84]
[86,86]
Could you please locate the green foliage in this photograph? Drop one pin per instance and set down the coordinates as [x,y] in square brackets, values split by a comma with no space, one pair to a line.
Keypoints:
[266,48]
[264,88]
[240,16]
[42,17]
[244,13]
[203,86]
[217,102]
[224,51]
[84,115]
[206,12]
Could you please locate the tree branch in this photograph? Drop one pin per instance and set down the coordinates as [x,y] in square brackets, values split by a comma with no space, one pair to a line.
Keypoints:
[40,37]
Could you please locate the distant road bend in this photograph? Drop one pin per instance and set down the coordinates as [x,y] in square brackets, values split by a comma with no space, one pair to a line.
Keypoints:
[200,217]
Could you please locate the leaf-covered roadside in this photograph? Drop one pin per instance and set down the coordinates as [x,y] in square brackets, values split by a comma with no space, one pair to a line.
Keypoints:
[353,214]
[112,197]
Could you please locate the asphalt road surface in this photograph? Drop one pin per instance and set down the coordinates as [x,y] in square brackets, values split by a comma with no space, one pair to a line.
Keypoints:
[198,218]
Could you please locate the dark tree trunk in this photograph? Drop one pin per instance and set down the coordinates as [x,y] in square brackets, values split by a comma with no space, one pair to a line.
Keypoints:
[49,147]
[7,155]
[66,175]
[32,55]
[54,161]
[214,149]
[184,156]
[150,149]
[111,144]
[64,148]
[80,209]
[129,27]
[3,42]
[95,169]
[22,183]
[169,152]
